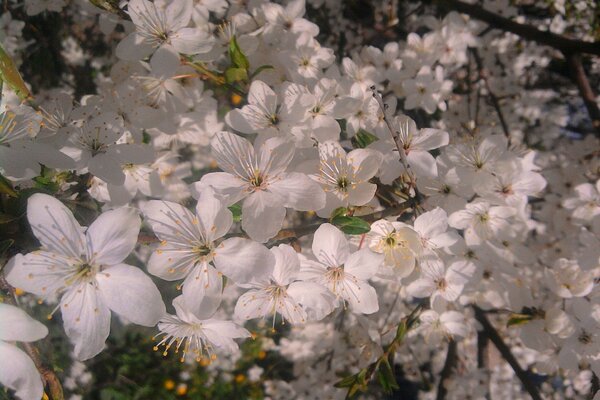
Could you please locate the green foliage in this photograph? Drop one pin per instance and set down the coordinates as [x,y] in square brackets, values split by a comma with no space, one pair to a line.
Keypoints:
[236,211]
[351,225]
[11,76]
[363,138]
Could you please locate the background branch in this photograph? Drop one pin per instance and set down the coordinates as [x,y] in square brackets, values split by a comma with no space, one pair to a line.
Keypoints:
[504,350]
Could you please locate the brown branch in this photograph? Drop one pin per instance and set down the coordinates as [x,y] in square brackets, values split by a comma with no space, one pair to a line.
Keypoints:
[48,376]
[451,359]
[504,350]
[585,90]
[483,74]
[527,32]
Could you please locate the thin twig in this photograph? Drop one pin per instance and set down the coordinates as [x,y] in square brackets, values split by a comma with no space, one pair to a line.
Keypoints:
[504,350]
[483,75]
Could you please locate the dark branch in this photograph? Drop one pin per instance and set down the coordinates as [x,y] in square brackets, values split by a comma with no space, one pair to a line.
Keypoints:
[585,90]
[504,350]
[527,32]
[451,358]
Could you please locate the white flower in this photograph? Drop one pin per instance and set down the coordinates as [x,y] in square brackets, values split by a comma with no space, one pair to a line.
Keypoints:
[17,370]
[343,273]
[436,327]
[586,206]
[432,228]
[438,281]
[259,176]
[567,280]
[20,154]
[157,26]
[86,271]
[345,177]
[199,337]
[267,115]
[399,244]
[484,220]
[189,250]
[281,292]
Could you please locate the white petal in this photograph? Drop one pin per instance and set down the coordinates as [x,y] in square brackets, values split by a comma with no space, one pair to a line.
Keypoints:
[202,290]
[171,222]
[361,296]
[54,226]
[363,264]
[299,191]
[130,293]
[421,288]
[366,163]
[191,41]
[40,272]
[287,264]
[107,166]
[113,236]
[253,304]
[17,325]
[330,246]
[243,260]
[222,333]
[18,372]
[87,320]
[316,299]
[262,215]
[171,263]
[230,187]
[214,216]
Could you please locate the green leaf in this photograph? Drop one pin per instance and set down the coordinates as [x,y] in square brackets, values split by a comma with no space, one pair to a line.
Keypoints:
[386,377]
[146,138]
[237,56]
[518,319]
[6,187]
[236,210]
[46,182]
[363,138]
[351,225]
[261,69]
[346,382]
[339,212]
[10,74]
[233,75]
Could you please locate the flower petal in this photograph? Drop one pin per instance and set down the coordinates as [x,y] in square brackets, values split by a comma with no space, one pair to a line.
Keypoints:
[87,320]
[18,372]
[17,325]
[113,236]
[54,226]
[130,293]
[330,246]
[243,260]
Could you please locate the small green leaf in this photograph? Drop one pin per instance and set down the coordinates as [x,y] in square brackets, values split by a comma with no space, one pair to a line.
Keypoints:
[518,319]
[146,138]
[351,225]
[46,182]
[10,74]
[6,187]
[386,377]
[233,75]
[339,212]
[236,210]
[363,138]
[346,382]
[237,56]
[261,69]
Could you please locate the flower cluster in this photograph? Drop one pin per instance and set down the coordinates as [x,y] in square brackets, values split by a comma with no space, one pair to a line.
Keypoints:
[392,196]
